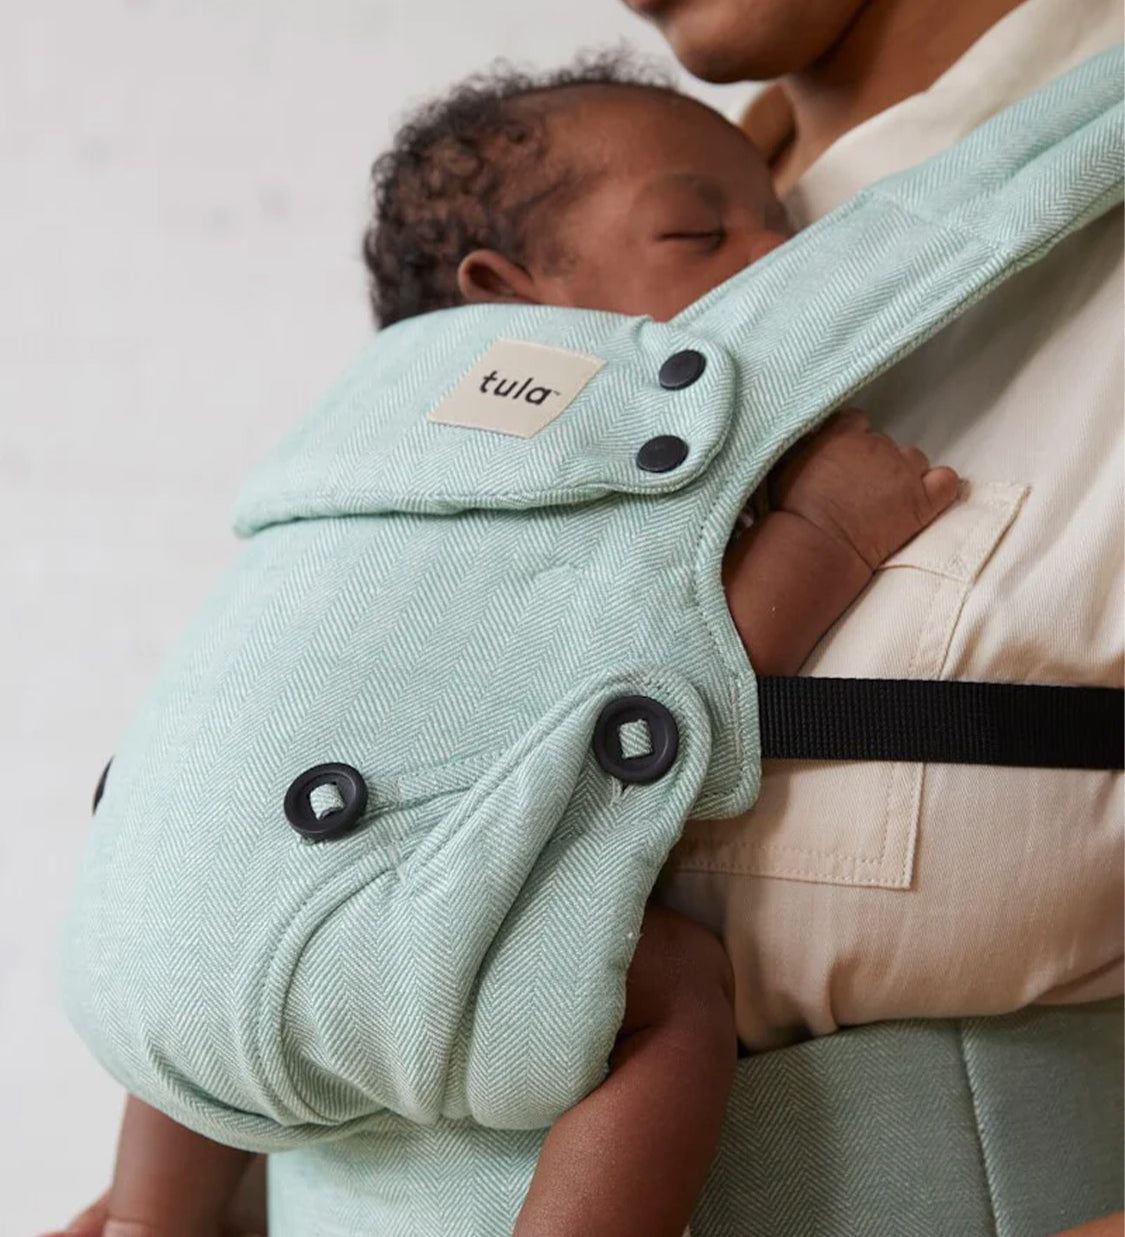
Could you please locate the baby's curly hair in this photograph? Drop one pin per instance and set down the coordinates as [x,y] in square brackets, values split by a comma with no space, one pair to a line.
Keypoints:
[468,171]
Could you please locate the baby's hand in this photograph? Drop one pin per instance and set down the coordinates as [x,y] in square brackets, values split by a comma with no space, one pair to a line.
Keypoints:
[860,487]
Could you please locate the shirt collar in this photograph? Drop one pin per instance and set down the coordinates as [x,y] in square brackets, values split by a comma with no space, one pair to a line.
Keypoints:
[1028,48]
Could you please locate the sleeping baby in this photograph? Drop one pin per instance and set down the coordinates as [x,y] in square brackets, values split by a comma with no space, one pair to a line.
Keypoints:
[598,190]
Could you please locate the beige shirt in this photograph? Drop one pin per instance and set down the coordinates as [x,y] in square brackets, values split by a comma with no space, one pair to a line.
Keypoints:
[858,892]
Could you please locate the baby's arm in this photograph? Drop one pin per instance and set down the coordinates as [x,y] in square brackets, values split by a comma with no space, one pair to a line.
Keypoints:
[169,1181]
[843,501]
[630,1159]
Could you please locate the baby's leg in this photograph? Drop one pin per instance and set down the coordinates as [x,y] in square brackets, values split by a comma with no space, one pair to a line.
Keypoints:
[631,1158]
[169,1181]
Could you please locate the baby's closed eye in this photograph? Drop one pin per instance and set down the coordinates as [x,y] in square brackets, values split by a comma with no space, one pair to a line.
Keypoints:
[709,239]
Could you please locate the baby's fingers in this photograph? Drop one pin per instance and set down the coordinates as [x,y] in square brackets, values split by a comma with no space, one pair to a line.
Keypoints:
[916,459]
[941,486]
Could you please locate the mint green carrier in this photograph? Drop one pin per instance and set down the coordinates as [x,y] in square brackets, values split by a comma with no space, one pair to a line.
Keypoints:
[401,1009]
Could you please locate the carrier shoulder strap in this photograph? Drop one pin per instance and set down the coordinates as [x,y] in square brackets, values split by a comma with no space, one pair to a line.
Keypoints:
[966,221]
[818,319]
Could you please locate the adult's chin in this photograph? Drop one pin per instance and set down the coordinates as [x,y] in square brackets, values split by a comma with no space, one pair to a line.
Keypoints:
[747,40]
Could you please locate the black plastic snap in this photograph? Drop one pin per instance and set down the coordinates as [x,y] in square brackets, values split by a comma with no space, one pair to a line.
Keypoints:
[350,789]
[662,454]
[681,369]
[663,739]
[99,789]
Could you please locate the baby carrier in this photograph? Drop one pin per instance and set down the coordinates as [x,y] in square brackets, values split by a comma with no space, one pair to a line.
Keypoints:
[370,864]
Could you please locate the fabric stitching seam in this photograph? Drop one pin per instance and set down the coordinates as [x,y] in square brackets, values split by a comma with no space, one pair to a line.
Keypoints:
[981,1152]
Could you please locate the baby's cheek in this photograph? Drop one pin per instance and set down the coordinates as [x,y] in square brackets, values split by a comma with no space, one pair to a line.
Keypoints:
[667,293]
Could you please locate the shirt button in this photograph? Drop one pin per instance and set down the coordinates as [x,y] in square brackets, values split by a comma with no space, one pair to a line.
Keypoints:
[662,454]
[326,801]
[681,369]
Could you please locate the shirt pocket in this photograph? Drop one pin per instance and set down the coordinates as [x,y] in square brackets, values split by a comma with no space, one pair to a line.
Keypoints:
[855,823]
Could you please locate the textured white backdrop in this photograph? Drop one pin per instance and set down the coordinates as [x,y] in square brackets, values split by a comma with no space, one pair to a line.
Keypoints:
[182,190]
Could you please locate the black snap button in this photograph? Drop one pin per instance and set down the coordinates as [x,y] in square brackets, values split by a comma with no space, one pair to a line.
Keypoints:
[326,801]
[99,789]
[662,454]
[650,728]
[681,369]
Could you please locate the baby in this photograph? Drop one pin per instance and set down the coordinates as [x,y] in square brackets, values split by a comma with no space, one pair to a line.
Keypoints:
[596,189]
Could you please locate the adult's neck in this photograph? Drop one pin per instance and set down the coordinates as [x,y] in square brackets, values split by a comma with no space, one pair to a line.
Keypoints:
[891,50]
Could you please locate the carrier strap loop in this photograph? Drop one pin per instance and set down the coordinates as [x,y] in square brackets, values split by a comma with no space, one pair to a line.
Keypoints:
[946,722]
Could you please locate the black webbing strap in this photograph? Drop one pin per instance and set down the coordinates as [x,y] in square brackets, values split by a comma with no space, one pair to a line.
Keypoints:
[808,718]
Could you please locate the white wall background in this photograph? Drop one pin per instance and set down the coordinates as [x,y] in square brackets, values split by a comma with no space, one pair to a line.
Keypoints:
[182,191]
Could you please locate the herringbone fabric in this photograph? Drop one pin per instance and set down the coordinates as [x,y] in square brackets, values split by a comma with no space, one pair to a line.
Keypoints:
[448,611]
[982,1127]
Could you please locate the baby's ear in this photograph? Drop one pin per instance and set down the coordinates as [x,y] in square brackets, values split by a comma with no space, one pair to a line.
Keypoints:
[485,275]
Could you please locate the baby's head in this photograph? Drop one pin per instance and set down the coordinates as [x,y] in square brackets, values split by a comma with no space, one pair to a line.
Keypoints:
[594,187]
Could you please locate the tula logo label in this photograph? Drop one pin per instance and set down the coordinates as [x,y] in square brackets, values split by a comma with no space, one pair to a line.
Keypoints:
[506,388]
[517,388]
